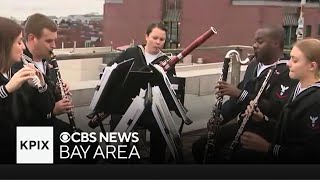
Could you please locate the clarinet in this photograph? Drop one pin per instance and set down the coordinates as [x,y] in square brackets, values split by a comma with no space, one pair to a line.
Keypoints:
[213,124]
[235,142]
[35,82]
[63,94]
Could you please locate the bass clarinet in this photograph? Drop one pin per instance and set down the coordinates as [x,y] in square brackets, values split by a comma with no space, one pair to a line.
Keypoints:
[214,122]
[235,142]
[62,93]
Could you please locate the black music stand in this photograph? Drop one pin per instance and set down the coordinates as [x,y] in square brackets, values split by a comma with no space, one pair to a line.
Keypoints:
[174,95]
[174,104]
[127,85]
[178,85]
[107,99]
[152,99]
[135,110]
[167,125]
[163,103]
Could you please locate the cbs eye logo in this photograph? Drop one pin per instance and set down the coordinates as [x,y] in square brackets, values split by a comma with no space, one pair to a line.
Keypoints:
[65,137]
[77,137]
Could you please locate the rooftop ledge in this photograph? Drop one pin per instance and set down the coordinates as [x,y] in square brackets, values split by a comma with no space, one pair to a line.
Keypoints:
[272,3]
[200,80]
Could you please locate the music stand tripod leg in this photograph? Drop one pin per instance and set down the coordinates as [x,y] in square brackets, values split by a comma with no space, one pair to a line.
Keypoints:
[101,125]
[181,127]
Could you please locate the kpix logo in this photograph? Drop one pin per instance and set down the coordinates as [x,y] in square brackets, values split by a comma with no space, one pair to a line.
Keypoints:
[34,145]
[28,145]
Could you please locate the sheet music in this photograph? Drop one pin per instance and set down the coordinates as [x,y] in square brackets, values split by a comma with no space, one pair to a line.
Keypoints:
[103,81]
[162,115]
[177,102]
[166,123]
[165,77]
[130,118]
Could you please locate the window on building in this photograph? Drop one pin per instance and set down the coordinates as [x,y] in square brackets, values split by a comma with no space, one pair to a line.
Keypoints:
[290,37]
[308,30]
[310,1]
[87,43]
[171,19]
[172,34]
[288,1]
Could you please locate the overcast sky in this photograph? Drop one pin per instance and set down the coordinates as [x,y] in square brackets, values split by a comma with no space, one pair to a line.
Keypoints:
[21,9]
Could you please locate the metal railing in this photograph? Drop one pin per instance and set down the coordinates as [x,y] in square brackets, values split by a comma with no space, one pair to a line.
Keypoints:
[110,55]
[114,54]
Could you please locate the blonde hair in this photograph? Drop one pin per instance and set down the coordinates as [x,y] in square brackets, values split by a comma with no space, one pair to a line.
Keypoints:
[311,49]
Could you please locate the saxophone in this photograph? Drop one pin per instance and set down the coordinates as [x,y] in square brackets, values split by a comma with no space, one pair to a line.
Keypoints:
[63,94]
[214,122]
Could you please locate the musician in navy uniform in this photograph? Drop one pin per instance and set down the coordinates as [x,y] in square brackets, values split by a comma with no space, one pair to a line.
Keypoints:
[297,137]
[41,33]
[268,50]
[19,99]
[144,55]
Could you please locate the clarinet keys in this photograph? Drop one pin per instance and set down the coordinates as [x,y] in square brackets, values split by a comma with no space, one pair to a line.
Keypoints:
[35,81]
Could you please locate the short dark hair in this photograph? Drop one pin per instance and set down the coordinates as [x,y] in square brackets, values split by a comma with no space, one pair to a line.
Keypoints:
[156,25]
[36,23]
[9,31]
[277,33]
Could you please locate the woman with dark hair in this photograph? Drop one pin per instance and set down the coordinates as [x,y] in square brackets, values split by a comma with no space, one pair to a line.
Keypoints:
[18,97]
[297,137]
[149,53]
